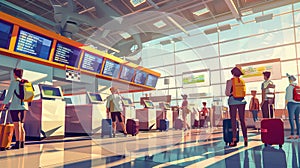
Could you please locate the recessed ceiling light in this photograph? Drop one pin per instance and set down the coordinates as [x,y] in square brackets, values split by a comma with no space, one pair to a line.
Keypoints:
[125,35]
[159,24]
[201,12]
[136,3]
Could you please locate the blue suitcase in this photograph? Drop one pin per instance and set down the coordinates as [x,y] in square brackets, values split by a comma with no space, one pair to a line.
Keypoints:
[227,131]
[163,124]
[107,128]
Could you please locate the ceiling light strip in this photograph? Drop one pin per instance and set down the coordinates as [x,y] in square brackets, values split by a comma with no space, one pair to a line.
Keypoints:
[178,25]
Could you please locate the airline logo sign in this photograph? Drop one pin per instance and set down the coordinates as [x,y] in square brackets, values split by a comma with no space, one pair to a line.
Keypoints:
[72,75]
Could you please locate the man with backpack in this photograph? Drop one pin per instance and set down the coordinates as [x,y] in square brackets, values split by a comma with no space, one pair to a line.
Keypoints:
[19,96]
[268,96]
[292,101]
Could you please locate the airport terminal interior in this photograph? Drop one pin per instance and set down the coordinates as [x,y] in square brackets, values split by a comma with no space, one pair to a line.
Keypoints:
[154,54]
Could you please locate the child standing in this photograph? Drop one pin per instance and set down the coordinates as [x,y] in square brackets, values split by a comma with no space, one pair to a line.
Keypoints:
[254,105]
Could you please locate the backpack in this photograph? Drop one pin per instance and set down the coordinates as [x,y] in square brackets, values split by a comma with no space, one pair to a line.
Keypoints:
[296,93]
[26,91]
[270,93]
[238,88]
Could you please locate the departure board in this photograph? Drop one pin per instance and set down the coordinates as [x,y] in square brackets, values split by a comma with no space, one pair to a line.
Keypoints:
[140,77]
[91,62]
[127,73]
[111,69]
[66,54]
[33,44]
[5,34]
[151,80]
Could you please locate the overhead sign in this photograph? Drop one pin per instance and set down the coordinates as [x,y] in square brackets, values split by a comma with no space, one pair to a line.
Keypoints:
[72,75]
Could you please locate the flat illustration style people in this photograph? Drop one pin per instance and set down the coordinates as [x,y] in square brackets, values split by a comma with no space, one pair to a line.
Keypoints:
[185,111]
[236,90]
[292,101]
[17,108]
[254,105]
[268,96]
[114,106]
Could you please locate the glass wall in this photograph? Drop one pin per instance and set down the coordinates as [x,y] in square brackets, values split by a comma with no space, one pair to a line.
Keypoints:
[218,53]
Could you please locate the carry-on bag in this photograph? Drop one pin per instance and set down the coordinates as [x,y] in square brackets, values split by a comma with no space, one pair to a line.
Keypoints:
[6,133]
[107,128]
[272,131]
[132,126]
[178,124]
[164,125]
[227,131]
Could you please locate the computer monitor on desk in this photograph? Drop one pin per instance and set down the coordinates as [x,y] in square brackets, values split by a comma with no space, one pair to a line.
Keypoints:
[127,102]
[94,98]
[148,104]
[164,105]
[51,92]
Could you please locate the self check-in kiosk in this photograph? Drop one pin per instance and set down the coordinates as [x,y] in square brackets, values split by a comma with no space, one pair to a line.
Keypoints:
[85,119]
[46,116]
[147,115]
[164,112]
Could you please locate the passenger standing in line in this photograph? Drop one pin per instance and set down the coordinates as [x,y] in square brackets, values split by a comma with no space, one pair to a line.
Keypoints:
[115,107]
[268,96]
[292,106]
[236,90]
[17,108]
[185,111]
[254,105]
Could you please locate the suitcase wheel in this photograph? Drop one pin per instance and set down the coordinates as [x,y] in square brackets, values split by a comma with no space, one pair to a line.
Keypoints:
[2,149]
[266,144]
[280,146]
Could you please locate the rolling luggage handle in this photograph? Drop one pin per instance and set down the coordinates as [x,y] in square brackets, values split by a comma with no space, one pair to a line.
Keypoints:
[6,114]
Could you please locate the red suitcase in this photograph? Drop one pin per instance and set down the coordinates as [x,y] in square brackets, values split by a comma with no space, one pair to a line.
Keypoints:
[132,126]
[272,132]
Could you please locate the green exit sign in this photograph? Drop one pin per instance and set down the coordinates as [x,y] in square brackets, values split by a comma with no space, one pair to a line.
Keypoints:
[136,3]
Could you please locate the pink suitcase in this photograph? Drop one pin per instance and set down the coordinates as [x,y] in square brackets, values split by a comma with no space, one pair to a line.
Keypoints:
[272,132]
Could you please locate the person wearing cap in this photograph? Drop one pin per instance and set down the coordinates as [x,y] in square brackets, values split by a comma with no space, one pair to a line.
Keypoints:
[185,111]
[268,96]
[254,105]
[114,107]
[236,104]
[292,106]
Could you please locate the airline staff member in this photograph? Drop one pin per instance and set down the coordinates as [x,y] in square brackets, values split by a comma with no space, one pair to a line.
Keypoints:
[114,106]
[17,108]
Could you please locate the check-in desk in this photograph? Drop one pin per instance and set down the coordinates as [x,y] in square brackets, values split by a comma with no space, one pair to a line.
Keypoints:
[147,118]
[45,119]
[84,119]
[164,112]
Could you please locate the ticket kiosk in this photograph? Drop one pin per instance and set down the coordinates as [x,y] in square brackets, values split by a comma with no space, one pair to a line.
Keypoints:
[147,115]
[164,112]
[85,119]
[46,116]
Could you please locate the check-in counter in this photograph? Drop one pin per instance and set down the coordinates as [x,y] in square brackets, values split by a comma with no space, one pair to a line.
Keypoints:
[85,119]
[46,116]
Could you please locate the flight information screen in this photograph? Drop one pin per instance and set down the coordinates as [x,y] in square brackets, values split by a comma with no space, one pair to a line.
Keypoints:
[91,62]
[140,77]
[66,54]
[33,44]
[127,73]
[111,69]
[5,34]
[151,80]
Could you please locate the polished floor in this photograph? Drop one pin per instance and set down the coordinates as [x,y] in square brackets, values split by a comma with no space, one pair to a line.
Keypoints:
[195,148]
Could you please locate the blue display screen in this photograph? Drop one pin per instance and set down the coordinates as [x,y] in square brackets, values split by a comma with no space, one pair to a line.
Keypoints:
[127,73]
[5,34]
[111,69]
[91,62]
[151,80]
[33,44]
[66,54]
[140,77]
